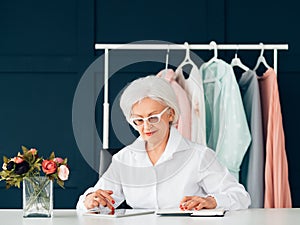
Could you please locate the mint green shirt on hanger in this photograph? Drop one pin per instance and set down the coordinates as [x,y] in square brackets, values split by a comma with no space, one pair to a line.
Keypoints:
[227,130]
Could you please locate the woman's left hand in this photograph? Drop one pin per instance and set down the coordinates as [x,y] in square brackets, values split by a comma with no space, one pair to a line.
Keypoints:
[197,203]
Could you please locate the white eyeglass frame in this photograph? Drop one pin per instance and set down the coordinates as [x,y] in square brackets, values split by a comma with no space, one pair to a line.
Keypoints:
[159,115]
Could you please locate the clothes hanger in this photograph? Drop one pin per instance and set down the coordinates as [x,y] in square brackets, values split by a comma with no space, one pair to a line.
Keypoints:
[167,63]
[237,62]
[187,60]
[167,58]
[214,46]
[261,59]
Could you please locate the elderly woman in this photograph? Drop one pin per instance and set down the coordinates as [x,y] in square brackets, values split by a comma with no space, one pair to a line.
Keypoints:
[162,169]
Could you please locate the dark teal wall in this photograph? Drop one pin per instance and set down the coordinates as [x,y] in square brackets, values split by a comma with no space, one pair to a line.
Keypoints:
[45,46]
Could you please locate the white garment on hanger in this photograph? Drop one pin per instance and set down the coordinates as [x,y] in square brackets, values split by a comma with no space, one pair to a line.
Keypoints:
[194,88]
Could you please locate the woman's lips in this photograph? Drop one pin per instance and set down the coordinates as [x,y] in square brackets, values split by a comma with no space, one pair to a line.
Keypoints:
[150,133]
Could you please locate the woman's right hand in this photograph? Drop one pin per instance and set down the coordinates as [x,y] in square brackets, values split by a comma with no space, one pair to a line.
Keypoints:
[99,197]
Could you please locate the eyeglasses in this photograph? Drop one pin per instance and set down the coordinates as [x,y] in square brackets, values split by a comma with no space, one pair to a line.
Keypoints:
[153,119]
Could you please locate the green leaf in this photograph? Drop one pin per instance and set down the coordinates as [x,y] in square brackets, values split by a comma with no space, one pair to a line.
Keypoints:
[5,159]
[24,149]
[7,186]
[60,183]
[52,156]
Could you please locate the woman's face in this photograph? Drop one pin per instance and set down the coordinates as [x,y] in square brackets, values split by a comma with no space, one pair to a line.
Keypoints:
[153,133]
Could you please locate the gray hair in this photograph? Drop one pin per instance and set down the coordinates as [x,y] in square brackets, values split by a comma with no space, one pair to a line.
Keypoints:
[152,87]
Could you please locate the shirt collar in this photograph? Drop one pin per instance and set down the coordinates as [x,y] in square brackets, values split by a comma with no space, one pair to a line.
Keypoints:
[176,143]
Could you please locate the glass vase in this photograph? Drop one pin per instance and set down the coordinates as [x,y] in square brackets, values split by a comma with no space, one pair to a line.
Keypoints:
[37,197]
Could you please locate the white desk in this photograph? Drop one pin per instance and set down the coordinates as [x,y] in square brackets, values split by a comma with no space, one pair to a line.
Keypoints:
[244,217]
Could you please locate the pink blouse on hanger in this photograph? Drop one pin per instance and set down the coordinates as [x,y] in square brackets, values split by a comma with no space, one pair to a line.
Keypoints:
[184,121]
[277,189]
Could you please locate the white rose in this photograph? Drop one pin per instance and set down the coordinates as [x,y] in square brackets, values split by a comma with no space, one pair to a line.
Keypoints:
[4,166]
[63,172]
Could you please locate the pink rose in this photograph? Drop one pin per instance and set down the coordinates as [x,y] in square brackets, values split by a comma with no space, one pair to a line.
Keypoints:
[33,151]
[18,160]
[63,172]
[49,166]
[58,160]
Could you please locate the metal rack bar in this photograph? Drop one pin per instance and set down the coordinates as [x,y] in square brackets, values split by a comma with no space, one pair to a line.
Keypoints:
[107,47]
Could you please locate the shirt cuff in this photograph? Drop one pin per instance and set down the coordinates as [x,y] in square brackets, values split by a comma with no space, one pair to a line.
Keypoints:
[80,204]
[222,201]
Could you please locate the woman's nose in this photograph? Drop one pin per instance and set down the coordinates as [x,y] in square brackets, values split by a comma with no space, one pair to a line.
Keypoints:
[147,124]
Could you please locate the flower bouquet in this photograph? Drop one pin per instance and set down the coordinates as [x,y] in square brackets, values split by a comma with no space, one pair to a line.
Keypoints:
[26,167]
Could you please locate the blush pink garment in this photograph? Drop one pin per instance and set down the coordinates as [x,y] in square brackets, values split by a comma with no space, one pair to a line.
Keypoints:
[277,189]
[184,121]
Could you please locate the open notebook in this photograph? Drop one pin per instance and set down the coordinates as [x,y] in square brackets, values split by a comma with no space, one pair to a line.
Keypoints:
[202,212]
[117,212]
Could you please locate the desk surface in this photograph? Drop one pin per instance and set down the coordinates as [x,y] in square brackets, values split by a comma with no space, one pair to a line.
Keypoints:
[70,217]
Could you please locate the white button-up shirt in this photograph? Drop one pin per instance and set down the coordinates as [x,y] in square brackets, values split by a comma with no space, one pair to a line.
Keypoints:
[184,169]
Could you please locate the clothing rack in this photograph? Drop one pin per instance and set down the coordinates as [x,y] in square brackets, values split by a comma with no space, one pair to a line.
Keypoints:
[211,46]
